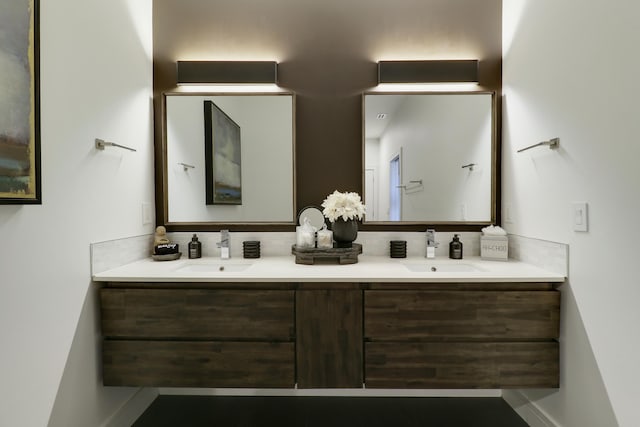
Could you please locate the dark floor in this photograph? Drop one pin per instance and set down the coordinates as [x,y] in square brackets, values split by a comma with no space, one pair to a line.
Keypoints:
[244,411]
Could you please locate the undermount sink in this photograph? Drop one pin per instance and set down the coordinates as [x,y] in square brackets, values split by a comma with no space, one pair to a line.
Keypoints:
[214,267]
[441,267]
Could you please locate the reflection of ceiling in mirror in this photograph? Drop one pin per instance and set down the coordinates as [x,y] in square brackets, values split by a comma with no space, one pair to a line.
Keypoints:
[375,106]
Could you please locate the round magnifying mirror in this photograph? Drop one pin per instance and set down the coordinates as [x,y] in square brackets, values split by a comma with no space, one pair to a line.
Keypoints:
[314,214]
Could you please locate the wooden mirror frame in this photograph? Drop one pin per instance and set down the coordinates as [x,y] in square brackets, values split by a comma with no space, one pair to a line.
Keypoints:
[495,173]
[161,174]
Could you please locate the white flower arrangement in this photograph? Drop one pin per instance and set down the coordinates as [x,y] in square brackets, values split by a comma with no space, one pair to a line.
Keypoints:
[347,206]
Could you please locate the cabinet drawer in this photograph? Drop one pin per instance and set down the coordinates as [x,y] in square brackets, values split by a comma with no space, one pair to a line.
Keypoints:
[455,315]
[198,313]
[197,364]
[462,365]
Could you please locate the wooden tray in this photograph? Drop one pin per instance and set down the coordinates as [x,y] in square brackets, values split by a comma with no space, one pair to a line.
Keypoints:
[311,256]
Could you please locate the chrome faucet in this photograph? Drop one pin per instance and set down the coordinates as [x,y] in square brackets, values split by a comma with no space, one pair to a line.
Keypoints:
[431,243]
[224,244]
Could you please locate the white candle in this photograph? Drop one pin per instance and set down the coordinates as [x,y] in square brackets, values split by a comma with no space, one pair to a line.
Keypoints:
[325,238]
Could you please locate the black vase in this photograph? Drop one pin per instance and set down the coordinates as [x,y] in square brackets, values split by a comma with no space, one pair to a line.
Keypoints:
[344,232]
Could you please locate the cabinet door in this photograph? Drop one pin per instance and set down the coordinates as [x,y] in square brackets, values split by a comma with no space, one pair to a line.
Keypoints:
[462,365]
[197,314]
[329,338]
[466,315]
[197,364]
[461,339]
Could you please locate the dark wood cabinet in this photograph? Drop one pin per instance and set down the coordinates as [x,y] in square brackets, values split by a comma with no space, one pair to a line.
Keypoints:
[198,363]
[461,338]
[331,335]
[452,365]
[186,337]
[329,338]
[198,314]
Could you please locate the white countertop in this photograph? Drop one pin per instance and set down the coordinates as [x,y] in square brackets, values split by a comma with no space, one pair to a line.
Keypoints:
[368,269]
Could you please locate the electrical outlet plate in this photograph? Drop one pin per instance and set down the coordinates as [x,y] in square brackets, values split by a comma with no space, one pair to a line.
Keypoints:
[580,216]
[147,214]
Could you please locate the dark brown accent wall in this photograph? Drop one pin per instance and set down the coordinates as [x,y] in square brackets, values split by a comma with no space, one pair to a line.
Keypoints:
[327,53]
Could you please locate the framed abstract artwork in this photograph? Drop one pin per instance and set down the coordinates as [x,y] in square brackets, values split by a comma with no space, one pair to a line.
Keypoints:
[19,103]
[222,157]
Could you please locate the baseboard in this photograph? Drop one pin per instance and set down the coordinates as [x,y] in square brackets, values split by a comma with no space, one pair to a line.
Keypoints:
[132,408]
[528,411]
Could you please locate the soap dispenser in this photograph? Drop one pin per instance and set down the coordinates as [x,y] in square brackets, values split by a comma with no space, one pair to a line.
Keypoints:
[455,248]
[195,248]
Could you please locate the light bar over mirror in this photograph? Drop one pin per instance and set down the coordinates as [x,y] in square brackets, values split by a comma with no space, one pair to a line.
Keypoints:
[440,71]
[227,72]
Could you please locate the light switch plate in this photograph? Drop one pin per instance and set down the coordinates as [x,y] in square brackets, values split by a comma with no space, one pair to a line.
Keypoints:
[580,216]
[508,214]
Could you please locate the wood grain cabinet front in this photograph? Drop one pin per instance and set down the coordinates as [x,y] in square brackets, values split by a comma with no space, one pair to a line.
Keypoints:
[331,335]
[461,339]
[329,338]
[198,337]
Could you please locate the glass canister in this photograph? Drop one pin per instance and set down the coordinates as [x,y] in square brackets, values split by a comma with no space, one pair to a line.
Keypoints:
[305,235]
[325,238]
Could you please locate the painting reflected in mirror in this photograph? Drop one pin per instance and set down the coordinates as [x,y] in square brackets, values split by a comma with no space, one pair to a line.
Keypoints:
[223,159]
[429,157]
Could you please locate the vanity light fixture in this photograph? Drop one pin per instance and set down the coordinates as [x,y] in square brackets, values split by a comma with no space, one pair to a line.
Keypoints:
[227,72]
[438,71]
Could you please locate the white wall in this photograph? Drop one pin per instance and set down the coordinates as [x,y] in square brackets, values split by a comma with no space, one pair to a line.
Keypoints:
[96,81]
[570,71]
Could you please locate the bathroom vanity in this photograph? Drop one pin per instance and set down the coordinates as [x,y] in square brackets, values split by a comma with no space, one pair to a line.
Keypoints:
[380,323]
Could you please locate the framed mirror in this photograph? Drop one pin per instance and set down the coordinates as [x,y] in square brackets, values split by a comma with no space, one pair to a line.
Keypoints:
[228,159]
[429,157]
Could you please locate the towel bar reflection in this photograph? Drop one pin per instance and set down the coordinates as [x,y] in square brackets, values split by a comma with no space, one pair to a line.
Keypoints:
[186,166]
[415,181]
[100,144]
[552,144]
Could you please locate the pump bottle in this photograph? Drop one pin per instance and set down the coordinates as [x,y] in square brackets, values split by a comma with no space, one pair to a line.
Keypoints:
[195,248]
[455,248]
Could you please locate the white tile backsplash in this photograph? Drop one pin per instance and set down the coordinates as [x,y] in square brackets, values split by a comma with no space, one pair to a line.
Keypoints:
[549,255]
[271,243]
[114,253]
[545,254]
[373,242]
[377,242]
